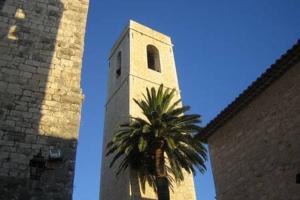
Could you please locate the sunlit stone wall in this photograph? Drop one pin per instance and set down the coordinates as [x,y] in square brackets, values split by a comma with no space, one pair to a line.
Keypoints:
[255,155]
[131,83]
[41,46]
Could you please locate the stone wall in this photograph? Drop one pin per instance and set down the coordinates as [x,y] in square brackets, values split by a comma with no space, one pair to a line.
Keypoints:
[255,155]
[116,111]
[142,77]
[41,46]
[135,77]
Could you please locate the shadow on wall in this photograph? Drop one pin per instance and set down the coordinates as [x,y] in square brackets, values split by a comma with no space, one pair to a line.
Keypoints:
[28,32]
[136,188]
[28,37]
[56,179]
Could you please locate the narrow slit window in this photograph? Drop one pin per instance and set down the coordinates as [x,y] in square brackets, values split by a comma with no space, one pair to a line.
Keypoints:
[119,64]
[2,2]
[153,58]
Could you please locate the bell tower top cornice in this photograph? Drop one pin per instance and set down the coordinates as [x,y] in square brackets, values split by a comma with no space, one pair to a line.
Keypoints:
[144,30]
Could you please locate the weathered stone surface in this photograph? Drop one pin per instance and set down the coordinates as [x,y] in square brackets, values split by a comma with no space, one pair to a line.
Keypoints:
[131,83]
[255,155]
[39,87]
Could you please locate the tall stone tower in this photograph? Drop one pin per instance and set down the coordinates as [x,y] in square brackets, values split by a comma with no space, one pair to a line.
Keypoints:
[140,58]
[41,46]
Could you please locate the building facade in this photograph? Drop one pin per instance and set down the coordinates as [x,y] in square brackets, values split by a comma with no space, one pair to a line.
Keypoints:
[41,47]
[254,143]
[140,58]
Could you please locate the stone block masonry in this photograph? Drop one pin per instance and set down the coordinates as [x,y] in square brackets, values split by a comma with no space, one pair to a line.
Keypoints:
[41,47]
[256,153]
[128,83]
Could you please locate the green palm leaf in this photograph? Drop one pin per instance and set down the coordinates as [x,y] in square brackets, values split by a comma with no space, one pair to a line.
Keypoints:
[167,130]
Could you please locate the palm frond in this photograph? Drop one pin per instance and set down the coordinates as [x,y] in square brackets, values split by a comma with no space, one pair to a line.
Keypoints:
[166,123]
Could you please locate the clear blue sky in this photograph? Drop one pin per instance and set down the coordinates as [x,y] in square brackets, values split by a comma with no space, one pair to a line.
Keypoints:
[220,47]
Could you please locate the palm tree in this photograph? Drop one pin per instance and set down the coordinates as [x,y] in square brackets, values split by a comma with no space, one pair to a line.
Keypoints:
[160,145]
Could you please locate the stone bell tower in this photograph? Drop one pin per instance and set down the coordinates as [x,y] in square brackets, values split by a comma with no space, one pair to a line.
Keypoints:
[41,47]
[140,58]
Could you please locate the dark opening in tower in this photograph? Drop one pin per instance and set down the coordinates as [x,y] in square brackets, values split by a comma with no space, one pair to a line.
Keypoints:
[119,64]
[153,58]
[1,4]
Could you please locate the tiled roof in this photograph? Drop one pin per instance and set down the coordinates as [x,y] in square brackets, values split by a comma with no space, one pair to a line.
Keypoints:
[276,70]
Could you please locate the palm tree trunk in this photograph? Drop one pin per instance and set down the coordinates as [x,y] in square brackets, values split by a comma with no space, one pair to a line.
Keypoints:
[162,188]
[161,179]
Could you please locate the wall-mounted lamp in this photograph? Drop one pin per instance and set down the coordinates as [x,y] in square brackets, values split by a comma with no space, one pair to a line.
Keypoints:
[37,166]
[55,154]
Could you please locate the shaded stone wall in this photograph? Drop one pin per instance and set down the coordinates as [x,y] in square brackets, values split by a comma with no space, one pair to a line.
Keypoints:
[255,155]
[116,111]
[41,46]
